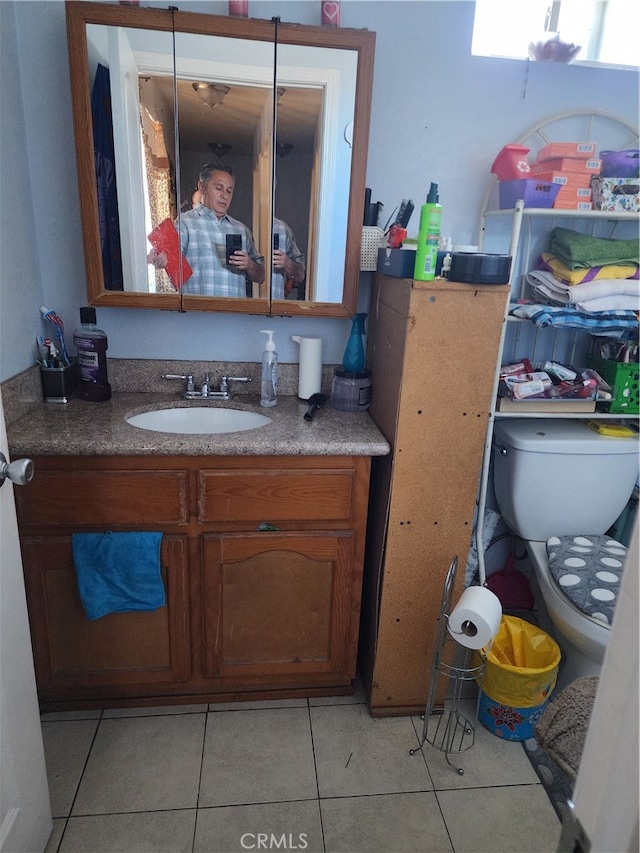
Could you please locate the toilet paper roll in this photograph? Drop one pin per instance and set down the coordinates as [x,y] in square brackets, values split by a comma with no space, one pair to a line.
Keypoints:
[476,617]
[310,370]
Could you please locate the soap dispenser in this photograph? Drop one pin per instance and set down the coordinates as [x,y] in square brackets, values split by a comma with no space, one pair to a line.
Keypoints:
[269,382]
[353,358]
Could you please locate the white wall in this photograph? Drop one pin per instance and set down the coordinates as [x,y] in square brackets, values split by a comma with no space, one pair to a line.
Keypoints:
[438,114]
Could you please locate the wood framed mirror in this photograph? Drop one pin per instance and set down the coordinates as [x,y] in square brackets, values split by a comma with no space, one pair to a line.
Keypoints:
[270,100]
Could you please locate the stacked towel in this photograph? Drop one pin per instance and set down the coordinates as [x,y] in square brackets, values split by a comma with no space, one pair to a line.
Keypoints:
[561,271]
[578,251]
[612,324]
[599,295]
[590,274]
[118,572]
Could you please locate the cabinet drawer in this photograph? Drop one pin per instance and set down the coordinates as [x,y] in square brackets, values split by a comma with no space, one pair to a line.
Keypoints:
[273,496]
[102,498]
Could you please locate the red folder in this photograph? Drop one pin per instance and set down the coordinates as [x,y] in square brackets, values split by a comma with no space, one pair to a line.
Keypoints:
[164,238]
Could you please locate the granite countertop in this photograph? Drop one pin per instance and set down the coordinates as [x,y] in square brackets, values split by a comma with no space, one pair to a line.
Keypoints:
[81,428]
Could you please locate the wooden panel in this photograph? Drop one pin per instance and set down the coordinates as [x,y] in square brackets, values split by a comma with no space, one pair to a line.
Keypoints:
[74,653]
[278,603]
[98,499]
[292,591]
[449,339]
[275,496]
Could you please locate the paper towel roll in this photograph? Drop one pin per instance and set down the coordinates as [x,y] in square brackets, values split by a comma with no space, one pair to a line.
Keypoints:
[476,617]
[310,370]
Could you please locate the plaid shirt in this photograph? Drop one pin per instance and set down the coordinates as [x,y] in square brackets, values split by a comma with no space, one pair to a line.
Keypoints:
[286,242]
[202,239]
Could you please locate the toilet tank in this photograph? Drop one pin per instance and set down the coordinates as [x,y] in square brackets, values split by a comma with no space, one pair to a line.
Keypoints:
[560,477]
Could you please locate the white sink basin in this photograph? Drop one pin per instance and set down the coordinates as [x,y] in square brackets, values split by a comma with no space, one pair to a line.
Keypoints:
[198,420]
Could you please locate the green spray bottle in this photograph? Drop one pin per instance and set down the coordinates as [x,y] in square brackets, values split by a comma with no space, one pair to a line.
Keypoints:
[427,252]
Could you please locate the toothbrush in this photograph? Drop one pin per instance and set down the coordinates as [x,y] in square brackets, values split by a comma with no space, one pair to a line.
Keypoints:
[56,321]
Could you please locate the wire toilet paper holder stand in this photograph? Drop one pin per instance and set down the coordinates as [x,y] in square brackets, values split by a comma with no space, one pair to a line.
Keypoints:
[444,726]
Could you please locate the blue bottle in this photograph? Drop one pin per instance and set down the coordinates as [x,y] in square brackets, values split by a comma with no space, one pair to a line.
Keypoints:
[353,359]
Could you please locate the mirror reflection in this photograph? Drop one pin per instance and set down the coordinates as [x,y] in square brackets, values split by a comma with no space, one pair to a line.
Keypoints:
[133,148]
[178,99]
[316,90]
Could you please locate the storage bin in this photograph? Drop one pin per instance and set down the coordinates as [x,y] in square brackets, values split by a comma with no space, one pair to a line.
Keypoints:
[533,193]
[620,164]
[567,164]
[625,383]
[616,194]
[511,163]
[520,674]
[579,150]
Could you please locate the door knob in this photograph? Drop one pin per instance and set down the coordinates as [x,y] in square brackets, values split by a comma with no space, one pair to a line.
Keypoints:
[19,472]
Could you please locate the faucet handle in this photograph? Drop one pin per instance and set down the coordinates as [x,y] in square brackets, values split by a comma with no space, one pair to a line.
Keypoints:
[225,382]
[191,386]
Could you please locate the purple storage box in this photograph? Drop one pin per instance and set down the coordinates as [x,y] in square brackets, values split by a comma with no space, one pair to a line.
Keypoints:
[620,164]
[533,193]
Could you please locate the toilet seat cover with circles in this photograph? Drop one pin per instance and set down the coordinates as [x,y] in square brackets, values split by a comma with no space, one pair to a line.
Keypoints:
[587,570]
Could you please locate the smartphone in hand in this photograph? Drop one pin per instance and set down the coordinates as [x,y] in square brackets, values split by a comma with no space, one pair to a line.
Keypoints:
[234,244]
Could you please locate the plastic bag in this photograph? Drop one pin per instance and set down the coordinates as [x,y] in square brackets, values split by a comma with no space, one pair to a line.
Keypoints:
[522,664]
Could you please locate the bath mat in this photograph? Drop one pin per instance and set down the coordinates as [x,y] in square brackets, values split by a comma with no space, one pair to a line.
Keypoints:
[562,729]
[557,784]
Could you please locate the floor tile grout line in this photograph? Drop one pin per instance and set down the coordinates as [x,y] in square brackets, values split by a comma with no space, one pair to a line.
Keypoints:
[204,740]
[315,769]
[444,821]
[84,767]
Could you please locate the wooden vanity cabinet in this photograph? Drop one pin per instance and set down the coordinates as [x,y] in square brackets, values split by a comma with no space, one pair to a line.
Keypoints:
[250,612]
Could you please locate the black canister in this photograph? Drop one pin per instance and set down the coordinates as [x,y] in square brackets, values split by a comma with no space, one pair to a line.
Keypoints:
[351,391]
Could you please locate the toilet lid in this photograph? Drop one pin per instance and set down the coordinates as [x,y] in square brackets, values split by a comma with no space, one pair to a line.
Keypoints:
[587,570]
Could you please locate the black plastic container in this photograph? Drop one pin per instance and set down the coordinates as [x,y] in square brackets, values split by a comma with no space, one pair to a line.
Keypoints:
[479,268]
[59,384]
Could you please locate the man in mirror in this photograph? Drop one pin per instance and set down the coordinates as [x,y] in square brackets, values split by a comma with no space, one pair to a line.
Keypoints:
[216,270]
[287,262]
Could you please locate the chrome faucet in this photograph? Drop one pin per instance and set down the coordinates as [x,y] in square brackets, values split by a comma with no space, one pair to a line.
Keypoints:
[206,392]
[205,388]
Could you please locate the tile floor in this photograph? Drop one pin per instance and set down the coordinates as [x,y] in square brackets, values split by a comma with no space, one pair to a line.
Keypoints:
[313,775]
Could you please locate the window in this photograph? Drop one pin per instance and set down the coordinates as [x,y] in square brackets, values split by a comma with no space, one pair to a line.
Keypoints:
[606,30]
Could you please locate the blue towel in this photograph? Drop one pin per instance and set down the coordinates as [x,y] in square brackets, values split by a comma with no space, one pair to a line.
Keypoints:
[118,572]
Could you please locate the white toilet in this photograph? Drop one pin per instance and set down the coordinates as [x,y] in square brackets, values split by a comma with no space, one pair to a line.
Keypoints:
[556,478]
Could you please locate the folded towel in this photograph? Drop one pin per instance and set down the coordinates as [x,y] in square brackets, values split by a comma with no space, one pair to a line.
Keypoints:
[579,276]
[118,572]
[610,324]
[578,250]
[600,295]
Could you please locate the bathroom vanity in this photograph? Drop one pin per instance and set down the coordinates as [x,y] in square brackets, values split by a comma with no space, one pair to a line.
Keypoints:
[250,612]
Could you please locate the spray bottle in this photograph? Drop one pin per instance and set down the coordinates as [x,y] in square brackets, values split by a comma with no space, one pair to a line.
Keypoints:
[354,358]
[428,234]
[269,381]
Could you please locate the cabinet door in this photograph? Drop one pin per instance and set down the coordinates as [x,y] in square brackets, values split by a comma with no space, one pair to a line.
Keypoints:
[279,605]
[118,654]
